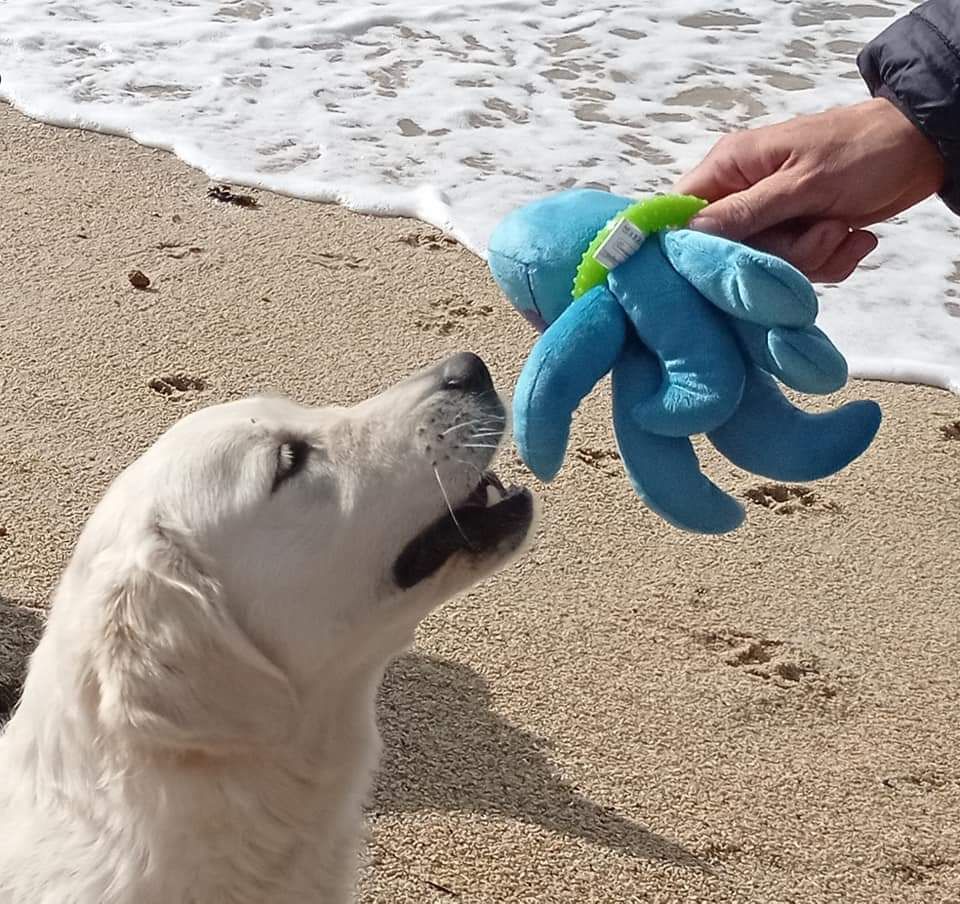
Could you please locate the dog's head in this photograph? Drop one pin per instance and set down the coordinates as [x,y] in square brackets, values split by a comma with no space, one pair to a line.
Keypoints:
[259,550]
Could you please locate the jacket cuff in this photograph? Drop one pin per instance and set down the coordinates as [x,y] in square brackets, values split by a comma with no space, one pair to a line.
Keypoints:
[915,64]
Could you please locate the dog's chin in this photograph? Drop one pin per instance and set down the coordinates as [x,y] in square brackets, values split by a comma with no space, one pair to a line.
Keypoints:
[484,532]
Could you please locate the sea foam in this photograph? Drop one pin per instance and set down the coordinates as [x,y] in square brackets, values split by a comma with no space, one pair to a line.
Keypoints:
[457,112]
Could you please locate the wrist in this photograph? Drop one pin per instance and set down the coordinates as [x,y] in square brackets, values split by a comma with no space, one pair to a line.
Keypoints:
[911,143]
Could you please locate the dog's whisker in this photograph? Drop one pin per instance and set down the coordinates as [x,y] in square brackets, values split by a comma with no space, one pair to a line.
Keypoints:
[460,426]
[478,446]
[446,499]
[483,423]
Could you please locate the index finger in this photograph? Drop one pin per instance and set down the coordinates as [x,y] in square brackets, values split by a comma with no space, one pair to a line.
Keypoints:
[715,177]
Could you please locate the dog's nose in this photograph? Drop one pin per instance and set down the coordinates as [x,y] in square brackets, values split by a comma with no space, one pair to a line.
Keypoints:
[465,372]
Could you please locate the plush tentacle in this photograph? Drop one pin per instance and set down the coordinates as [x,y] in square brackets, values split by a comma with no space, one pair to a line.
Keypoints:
[805,359]
[808,360]
[664,470]
[741,281]
[769,436]
[701,363]
[574,353]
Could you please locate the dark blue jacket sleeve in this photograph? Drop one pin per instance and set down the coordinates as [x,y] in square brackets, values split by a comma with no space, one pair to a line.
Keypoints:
[915,64]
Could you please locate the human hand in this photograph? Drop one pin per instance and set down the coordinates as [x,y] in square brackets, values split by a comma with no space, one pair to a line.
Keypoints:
[805,189]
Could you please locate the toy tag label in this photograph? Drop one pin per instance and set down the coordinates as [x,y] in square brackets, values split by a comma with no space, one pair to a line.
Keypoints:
[623,242]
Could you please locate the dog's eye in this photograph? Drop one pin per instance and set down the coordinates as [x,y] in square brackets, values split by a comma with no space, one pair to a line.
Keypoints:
[291,457]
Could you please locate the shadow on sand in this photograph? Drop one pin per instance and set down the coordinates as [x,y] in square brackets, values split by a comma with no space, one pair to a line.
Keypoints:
[446,750]
[19,634]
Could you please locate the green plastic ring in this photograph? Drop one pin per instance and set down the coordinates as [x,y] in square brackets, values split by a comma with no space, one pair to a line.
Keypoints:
[652,215]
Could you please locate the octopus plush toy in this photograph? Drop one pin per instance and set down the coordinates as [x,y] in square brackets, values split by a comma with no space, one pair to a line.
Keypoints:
[696,330]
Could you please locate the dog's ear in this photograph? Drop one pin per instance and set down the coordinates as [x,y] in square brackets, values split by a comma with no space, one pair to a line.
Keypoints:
[172,666]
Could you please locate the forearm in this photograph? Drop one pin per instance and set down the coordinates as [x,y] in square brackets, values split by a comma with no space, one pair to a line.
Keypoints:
[915,64]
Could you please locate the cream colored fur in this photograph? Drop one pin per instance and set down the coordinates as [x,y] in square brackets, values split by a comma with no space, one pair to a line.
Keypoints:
[197,725]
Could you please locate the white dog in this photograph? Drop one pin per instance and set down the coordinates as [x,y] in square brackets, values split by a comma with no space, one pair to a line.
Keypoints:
[197,724]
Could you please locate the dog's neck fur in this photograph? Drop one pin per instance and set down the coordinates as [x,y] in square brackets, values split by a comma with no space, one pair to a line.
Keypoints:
[272,827]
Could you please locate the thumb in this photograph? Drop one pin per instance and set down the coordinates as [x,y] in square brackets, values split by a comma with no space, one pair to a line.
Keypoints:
[766,204]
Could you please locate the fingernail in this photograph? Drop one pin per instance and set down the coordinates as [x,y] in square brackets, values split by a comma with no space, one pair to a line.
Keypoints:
[706,224]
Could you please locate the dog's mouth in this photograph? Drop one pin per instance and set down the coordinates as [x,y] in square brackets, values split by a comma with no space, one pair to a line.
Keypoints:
[492,520]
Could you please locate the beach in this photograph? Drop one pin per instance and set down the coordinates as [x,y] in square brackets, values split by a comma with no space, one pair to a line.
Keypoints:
[629,713]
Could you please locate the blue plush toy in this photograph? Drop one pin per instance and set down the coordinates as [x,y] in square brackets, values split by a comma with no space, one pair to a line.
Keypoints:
[693,327]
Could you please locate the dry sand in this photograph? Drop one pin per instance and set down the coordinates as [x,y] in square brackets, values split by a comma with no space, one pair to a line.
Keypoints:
[629,714]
